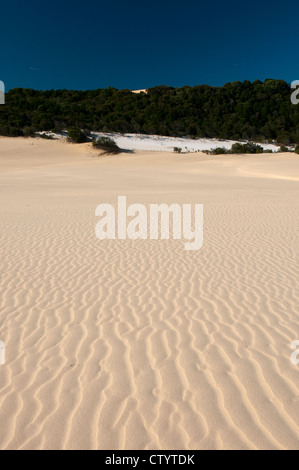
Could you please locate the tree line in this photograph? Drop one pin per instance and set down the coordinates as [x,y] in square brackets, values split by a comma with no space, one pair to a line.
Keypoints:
[258,111]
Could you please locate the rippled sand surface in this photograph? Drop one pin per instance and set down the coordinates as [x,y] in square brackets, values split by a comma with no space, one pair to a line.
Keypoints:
[125,344]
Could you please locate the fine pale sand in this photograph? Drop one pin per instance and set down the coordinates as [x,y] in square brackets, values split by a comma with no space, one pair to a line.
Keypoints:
[141,344]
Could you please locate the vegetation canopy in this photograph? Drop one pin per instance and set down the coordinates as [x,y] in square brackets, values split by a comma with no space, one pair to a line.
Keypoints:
[253,111]
[237,148]
[77,136]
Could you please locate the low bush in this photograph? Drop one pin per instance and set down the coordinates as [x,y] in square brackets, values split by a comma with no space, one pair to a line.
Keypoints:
[219,151]
[283,148]
[28,131]
[250,147]
[77,136]
[106,144]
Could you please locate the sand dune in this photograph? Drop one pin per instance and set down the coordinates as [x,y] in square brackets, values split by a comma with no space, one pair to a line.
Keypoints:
[122,344]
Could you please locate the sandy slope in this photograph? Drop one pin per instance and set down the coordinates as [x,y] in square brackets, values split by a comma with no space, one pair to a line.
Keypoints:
[140,344]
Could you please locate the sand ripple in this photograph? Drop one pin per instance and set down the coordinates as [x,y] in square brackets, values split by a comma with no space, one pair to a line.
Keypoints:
[142,345]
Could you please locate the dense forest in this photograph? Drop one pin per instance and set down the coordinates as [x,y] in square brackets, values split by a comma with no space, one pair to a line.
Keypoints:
[254,111]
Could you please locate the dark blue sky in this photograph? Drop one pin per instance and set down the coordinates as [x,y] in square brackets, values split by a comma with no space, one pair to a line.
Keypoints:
[129,44]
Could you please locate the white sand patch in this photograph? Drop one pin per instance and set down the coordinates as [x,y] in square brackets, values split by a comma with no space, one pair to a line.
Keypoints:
[165,144]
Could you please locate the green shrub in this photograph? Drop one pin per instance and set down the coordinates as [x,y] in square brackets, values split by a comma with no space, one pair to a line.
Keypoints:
[250,147]
[28,131]
[237,148]
[283,148]
[107,145]
[219,151]
[77,136]
[177,149]
[297,149]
